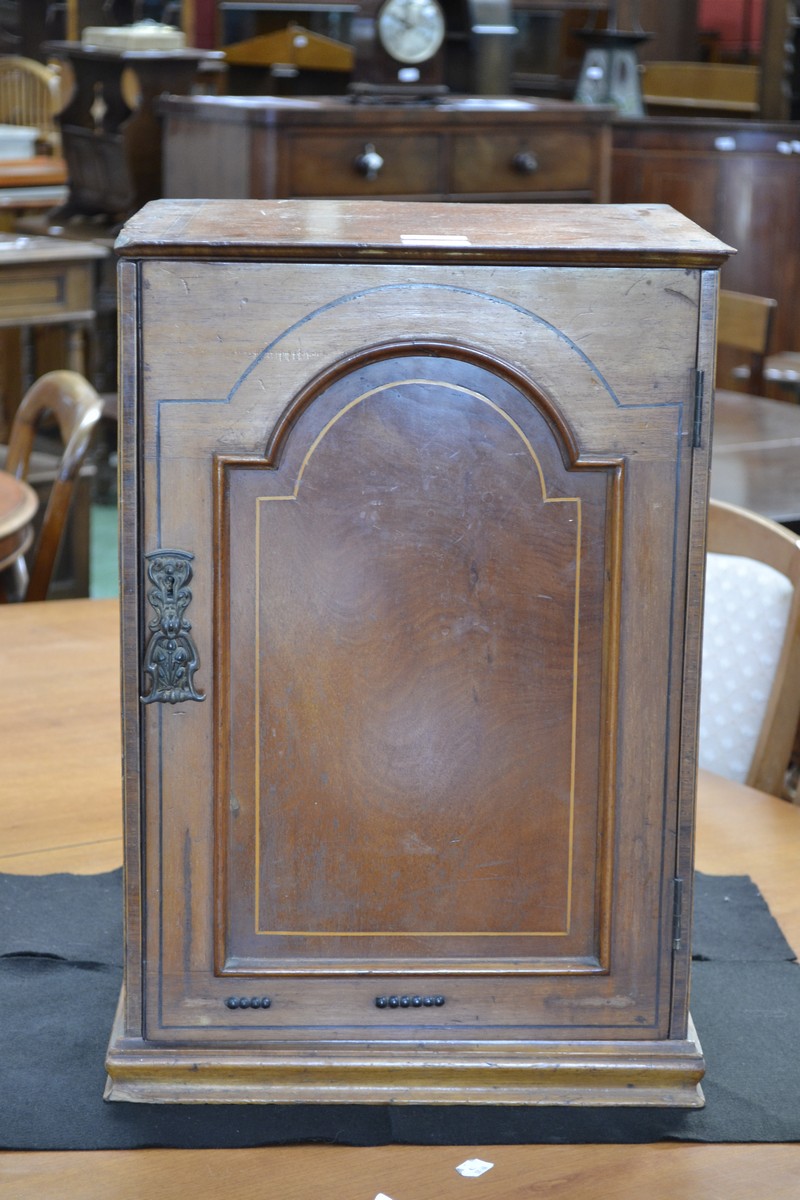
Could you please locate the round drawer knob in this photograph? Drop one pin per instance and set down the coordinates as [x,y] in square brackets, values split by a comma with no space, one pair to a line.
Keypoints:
[525,163]
[369,163]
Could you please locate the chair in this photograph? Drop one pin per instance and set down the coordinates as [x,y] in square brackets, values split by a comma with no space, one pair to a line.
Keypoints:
[77,408]
[701,89]
[750,695]
[30,96]
[744,322]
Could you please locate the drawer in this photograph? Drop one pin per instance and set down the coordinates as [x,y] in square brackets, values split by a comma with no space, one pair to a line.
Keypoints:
[551,160]
[337,165]
[46,292]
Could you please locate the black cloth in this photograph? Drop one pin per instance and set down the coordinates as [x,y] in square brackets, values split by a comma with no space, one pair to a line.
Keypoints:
[60,975]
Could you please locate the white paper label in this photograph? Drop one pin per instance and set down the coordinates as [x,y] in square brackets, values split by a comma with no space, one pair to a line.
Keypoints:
[473,1167]
[434,239]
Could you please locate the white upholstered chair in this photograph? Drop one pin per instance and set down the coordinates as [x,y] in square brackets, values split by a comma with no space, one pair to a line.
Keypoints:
[750,694]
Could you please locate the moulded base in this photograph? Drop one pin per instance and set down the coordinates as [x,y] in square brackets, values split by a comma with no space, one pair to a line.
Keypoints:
[657,1073]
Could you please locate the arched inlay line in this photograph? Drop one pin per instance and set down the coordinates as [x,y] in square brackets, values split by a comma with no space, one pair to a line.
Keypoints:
[451,387]
[574,702]
[446,287]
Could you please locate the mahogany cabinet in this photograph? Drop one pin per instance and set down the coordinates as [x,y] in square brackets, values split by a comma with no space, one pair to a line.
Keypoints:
[463,148]
[741,180]
[413,504]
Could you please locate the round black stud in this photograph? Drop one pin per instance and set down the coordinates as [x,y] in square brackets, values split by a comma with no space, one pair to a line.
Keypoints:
[394,1002]
[266,1002]
[416,1001]
[244,1002]
[232,1002]
[405,1001]
[381,1002]
[255,1002]
[427,1001]
[438,1001]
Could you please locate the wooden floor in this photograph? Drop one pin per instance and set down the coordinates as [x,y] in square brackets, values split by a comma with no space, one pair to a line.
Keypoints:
[60,811]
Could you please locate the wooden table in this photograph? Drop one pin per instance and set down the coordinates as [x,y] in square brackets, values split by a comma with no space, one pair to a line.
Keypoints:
[45,282]
[18,504]
[60,810]
[755,460]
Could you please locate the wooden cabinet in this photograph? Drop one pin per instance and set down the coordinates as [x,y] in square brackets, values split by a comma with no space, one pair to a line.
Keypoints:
[468,148]
[414,509]
[742,181]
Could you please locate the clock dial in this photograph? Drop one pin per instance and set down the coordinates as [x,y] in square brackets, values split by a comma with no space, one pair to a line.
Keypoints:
[411,31]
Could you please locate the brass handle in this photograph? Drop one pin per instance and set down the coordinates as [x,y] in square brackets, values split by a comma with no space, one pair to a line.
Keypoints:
[369,162]
[525,163]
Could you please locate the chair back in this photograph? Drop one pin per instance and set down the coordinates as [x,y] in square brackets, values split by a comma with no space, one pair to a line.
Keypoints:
[695,89]
[30,95]
[750,695]
[744,322]
[77,408]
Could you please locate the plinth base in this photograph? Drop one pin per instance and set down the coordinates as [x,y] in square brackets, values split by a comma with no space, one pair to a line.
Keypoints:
[642,1073]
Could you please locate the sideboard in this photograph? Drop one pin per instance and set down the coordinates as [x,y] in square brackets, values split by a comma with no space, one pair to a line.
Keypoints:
[741,181]
[464,148]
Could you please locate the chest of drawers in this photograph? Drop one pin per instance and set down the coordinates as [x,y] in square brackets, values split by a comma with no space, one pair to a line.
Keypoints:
[468,149]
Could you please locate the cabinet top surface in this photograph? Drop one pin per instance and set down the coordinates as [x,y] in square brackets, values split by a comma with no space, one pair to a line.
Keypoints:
[455,111]
[22,250]
[392,231]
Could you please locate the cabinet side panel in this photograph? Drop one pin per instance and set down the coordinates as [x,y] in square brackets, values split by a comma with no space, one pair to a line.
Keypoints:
[129,326]
[687,785]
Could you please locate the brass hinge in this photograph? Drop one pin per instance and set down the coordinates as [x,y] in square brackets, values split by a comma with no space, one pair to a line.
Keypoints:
[699,395]
[677,913]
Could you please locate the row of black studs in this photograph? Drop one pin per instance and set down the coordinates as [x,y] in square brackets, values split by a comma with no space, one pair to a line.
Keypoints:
[409,1001]
[380,1002]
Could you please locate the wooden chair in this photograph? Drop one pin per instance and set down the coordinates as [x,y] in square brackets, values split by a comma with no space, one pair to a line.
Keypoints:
[750,696]
[744,323]
[77,408]
[701,89]
[30,95]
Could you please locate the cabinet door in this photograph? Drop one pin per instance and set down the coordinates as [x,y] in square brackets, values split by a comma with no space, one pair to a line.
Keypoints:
[411,740]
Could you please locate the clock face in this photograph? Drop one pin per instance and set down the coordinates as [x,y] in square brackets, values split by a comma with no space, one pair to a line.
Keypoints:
[411,31]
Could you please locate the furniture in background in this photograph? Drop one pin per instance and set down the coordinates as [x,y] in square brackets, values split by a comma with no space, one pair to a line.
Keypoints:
[110,132]
[480,53]
[292,58]
[700,89]
[30,184]
[30,96]
[783,370]
[436,621]
[44,283]
[750,695]
[18,505]
[744,324]
[755,456]
[741,180]
[60,811]
[67,400]
[471,148]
